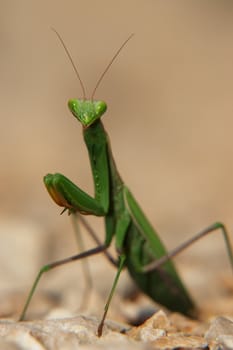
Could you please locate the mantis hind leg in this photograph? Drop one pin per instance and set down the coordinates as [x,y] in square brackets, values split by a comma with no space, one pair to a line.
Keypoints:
[210,229]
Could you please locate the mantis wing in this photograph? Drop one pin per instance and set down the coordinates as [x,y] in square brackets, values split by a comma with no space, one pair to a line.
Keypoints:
[143,246]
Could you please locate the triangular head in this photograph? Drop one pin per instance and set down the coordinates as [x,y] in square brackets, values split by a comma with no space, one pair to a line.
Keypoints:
[87,111]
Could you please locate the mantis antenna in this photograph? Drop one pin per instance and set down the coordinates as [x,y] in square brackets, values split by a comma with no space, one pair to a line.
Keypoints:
[76,70]
[109,65]
[72,62]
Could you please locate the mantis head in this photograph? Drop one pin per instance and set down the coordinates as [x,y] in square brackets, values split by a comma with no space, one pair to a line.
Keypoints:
[87,111]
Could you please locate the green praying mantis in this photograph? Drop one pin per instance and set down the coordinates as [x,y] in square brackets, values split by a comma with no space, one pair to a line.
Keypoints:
[138,245]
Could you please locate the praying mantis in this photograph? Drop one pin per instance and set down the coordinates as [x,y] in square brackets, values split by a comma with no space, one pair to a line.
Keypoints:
[138,245]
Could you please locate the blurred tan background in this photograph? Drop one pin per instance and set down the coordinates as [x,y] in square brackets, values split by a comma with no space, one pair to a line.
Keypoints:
[170,120]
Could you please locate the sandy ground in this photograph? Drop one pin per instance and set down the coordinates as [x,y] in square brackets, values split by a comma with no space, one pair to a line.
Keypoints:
[170,119]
